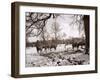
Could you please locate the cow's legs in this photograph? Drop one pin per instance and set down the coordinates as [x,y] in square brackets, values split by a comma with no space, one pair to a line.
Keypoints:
[73,47]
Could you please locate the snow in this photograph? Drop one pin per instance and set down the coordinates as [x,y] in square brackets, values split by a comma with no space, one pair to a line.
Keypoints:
[59,57]
[31,50]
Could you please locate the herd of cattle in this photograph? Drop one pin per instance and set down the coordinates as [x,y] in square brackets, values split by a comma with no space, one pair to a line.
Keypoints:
[40,45]
[45,45]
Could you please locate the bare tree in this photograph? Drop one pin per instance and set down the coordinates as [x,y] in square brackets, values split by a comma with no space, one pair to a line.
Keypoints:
[35,23]
[43,34]
[79,20]
[86,27]
[64,35]
[56,29]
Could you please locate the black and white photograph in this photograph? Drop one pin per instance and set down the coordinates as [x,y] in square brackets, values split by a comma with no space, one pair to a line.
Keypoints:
[54,39]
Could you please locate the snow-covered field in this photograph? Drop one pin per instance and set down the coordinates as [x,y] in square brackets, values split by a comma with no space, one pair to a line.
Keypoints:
[59,57]
[60,47]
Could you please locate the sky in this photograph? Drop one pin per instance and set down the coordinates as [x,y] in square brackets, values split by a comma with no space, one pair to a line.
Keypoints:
[63,21]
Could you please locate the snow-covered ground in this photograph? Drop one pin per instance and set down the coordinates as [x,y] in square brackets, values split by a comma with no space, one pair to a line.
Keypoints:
[60,47]
[59,57]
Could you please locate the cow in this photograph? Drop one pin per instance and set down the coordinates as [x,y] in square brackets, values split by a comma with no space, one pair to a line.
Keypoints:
[81,44]
[67,44]
[75,44]
[78,43]
[53,46]
[40,45]
[49,45]
[29,44]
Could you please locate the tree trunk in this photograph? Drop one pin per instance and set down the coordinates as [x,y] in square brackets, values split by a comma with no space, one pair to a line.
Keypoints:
[86,27]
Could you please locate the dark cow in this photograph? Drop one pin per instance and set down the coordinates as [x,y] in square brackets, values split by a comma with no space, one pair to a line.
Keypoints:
[75,44]
[49,45]
[52,45]
[78,42]
[81,44]
[29,44]
[40,45]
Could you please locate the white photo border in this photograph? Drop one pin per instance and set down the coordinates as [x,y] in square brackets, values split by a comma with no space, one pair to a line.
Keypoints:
[40,70]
